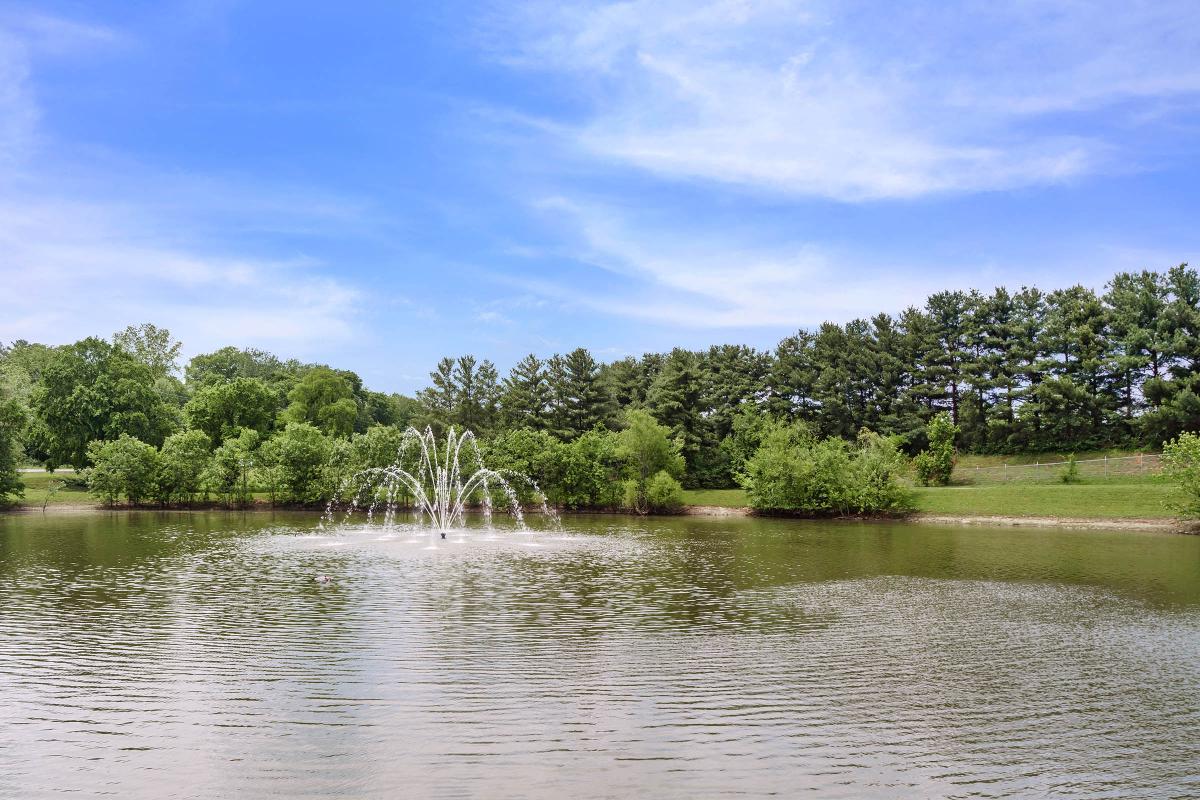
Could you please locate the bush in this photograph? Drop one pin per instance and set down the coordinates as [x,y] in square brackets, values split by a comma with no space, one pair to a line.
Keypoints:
[125,466]
[935,464]
[874,483]
[792,471]
[299,464]
[664,494]
[12,423]
[229,469]
[1070,473]
[1181,464]
[646,449]
[182,466]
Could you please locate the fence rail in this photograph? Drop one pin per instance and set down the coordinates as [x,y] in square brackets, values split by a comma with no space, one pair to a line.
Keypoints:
[1052,471]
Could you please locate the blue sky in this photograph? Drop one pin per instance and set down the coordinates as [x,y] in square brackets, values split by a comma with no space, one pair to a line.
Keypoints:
[375,185]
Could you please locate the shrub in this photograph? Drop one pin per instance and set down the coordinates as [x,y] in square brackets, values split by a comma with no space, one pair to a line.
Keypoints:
[125,466]
[1181,464]
[664,494]
[1070,473]
[182,465]
[935,464]
[791,471]
[300,462]
[12,423]
[874,483]
[229,470]
[646,449]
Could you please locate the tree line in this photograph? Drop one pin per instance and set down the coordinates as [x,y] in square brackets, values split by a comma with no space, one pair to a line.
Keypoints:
[1014,371]
[1017,372]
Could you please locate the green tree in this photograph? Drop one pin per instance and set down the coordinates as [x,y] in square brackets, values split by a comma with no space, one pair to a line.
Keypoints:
[376,448]
[1181,464]
[231,465]
[935,464]
[439,402]
[12,425]
[645,448]
[302,456]
[92,390]
[675,401]
[152,346]
[525,396]
[476,393]
[578,400]
[183,463]
[124,466]
[325,399]
[223,409]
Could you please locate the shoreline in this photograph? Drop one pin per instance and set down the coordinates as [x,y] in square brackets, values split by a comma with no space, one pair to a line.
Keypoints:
[1165,525]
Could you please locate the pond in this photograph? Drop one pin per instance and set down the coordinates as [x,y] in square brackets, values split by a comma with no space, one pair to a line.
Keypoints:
[195,655]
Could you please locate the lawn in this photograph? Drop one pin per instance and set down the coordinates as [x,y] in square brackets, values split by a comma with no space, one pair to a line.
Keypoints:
[725,498]
[1139,499]
[1143,499]
[37,487]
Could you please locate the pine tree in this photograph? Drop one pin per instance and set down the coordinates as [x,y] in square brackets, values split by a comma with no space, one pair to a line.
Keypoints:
[525,398]
[674,400]
[578,400]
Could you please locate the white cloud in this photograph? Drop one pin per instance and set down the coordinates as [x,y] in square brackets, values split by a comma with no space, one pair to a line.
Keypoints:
[88,248]
[714,280]
[72,270]
[856,102]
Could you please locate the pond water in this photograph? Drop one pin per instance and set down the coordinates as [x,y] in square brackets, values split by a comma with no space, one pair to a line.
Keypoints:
[193,655]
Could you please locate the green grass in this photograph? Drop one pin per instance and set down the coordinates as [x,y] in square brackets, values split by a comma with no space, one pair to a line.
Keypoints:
[1135,499]
[968,461]
[37,487]
[725,498]
[1100,500]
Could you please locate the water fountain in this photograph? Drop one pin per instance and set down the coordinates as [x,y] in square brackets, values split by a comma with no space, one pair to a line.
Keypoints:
[439,484]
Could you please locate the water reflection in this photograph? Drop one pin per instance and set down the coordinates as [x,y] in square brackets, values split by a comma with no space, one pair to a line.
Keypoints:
[196,655]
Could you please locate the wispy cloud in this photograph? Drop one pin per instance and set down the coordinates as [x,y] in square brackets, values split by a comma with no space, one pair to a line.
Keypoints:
[851,102]
[717,280]
[725,279]
[72,270]
[90,246]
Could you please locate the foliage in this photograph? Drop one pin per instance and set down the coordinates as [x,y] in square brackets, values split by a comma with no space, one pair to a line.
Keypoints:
[379,446]
[124,466]
[1070,473]
[794,471]
[230,468]
[12,424]
[1181,465]
[152,346]
[183,463]
[646,449]
[300,458]
[225,408]
[92,390]
[325,399]
[935,464]
[664,494]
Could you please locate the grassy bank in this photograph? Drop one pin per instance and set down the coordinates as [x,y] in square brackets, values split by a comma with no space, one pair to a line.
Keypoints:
[73,492]
[1137,499]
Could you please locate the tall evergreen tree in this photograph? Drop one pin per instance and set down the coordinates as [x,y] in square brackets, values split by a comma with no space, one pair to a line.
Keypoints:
[578,401]
[525,396]
[675,401]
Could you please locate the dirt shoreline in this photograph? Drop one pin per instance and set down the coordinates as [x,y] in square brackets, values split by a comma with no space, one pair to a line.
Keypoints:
[1108,523]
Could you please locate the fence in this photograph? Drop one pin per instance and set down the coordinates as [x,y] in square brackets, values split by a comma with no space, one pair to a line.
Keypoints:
[1106,468]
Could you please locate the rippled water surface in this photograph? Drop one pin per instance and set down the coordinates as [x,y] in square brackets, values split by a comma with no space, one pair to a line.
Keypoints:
[144,656]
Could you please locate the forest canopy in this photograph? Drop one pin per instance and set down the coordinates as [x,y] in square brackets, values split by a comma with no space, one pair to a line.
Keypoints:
[1013,371]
